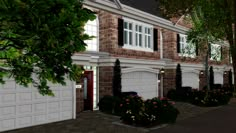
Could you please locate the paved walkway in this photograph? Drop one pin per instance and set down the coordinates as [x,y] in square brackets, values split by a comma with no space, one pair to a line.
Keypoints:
[221,120]
[97,122]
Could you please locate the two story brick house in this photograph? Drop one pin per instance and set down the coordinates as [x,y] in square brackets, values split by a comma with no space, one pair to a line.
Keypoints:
[145,43]
[134,32]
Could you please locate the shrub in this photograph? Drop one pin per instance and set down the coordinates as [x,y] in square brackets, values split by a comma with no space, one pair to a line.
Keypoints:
[212,98]
[110,104]
[116,80]
[144,113]
[172,94]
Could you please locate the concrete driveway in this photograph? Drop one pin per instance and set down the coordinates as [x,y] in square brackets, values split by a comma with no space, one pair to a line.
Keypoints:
[192,119]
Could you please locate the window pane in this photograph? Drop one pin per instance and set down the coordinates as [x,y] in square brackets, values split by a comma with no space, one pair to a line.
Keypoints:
[136,27]
[130,38]
[145,41]
[149,42]
[146,31]
[149,31]
[140,28]
[126,25]
[125,37]
[130,26]
[140,39]
[136,39]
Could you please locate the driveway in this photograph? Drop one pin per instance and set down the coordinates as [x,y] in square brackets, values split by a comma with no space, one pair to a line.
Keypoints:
[221,120]
[192,119]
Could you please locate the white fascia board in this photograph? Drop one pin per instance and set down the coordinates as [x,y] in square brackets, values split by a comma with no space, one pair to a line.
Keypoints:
[136,14]
[130,62]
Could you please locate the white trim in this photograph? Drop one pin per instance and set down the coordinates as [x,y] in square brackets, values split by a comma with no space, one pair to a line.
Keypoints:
[161,44]
[136,14]
[74,100]
[137,42]
[138,69]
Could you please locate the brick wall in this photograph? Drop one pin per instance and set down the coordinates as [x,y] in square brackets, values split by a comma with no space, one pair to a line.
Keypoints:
[105,80]
[226,78]
[169,80]
[79,100]
[108,39]
[202,80]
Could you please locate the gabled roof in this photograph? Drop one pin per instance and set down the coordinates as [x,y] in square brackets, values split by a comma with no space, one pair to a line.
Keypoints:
[149,6]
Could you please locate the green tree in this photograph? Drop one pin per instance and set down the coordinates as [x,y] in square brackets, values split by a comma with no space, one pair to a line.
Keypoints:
[178,78]
[116,81]
[211,78]
[216,18]
[38,39]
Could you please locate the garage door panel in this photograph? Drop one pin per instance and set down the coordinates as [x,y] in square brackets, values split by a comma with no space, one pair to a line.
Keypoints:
[7,124]
[22,107]
[142,82]
[190,79]
[39,119]
[218,78]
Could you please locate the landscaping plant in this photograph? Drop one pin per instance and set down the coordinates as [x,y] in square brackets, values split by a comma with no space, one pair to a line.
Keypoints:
[116,81]
[145,113]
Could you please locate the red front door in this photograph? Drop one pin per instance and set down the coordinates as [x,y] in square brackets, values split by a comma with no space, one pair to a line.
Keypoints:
[88,90]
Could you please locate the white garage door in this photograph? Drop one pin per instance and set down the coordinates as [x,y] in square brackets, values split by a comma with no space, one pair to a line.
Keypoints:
[218,78]
[23,107]
[144,83]
[190,79]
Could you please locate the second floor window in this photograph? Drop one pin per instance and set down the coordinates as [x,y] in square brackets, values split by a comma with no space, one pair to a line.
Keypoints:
[138,36]
[91,28]
[215,52]
[186,49]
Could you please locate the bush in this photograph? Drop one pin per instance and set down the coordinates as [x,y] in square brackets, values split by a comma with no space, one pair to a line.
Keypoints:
[172,94]
[212,98]
[144,113]
[110,105]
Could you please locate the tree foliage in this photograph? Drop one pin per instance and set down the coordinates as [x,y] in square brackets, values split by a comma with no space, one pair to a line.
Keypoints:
[116,83]
[213,20]
[38,39]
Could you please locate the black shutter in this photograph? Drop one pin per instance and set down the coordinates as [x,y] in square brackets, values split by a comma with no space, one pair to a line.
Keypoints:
[197,49]
[221,52]
[120,32]
[155,39]
[178,43]
[209,50]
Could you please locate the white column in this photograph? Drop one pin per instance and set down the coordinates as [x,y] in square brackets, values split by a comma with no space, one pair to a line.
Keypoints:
[161,44]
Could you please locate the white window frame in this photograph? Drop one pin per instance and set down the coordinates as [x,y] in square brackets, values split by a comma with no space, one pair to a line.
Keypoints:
[89,48]
[129,32]
[133,45]
[215,52]
[186,49]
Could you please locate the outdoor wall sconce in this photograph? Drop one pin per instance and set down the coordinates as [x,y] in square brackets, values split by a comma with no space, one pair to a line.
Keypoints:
[162,71]
[201,72]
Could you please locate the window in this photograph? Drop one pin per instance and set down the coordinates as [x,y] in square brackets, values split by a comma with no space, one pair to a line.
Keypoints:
[186,49]
[128,33]
[91,28]
[215,52]
[137,35]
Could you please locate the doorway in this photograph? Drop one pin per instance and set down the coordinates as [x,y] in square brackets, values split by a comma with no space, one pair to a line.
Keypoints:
[88,90]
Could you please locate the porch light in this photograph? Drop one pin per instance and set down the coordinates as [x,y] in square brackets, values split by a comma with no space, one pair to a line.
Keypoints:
[162,71]
[201,72]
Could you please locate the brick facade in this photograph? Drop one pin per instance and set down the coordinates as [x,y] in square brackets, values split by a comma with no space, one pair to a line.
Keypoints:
[108,39]
[105,80]
[169,80]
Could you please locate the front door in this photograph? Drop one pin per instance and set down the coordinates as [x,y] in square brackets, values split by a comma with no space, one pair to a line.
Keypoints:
[88,90]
